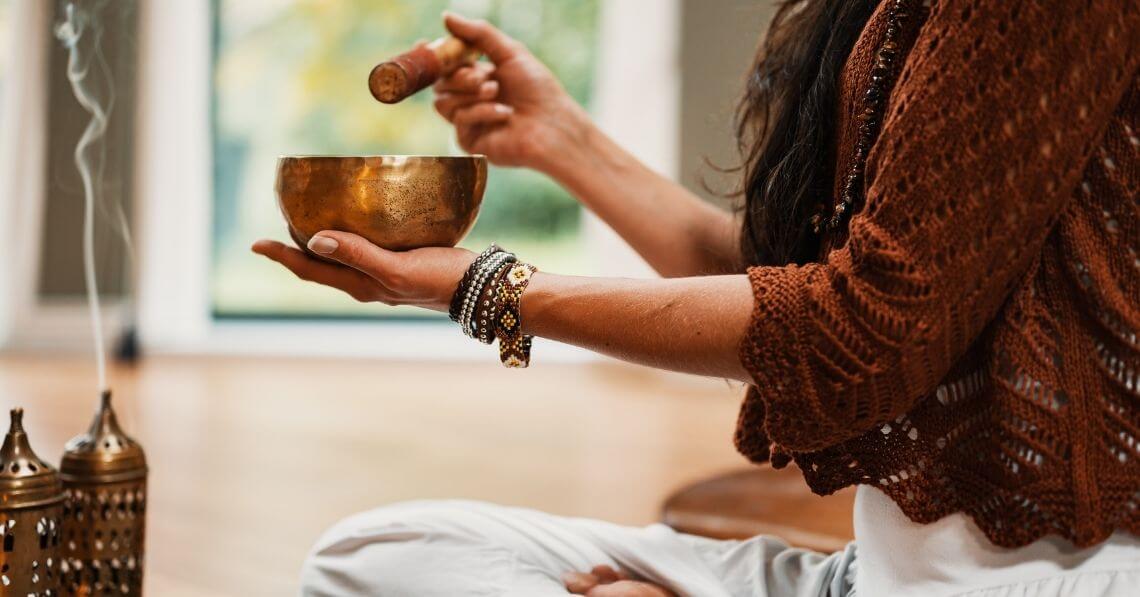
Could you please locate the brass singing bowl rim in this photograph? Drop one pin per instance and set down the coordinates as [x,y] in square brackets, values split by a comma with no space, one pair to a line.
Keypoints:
[398,202]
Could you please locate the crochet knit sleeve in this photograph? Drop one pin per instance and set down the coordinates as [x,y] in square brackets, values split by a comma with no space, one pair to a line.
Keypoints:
[996,111]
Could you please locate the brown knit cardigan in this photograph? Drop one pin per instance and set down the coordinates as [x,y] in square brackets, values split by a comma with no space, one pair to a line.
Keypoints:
[972,342]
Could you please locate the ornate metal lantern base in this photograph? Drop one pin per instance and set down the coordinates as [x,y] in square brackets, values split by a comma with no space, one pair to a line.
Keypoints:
[31,499]
[104,518]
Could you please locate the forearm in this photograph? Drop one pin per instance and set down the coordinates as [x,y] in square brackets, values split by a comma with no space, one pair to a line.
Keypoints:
[674,230]
[691,325]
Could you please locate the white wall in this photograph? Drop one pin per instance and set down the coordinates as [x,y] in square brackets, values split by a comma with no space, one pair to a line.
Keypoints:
[719,40]
[637,102]
[21,164]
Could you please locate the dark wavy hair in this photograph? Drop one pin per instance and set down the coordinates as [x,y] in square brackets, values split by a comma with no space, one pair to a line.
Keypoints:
[785,125]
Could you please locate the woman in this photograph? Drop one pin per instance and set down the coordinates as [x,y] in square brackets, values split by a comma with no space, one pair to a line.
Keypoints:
[934,296]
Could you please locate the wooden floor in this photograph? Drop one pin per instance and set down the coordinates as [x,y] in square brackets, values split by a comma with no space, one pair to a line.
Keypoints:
[252,458]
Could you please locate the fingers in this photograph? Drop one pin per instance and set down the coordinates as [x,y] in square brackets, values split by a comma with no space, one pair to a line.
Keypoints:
[356,284]
[494,43]
[446,103]
[467,79]
[495,142]
[604,581]
[466,87]
[470,139]
[583,583]
[628,588]
[357,253]
[606,575]
[481,114]
[579,583]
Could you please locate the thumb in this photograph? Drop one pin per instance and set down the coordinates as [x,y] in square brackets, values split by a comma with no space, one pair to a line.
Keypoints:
[353,251]
[498,46]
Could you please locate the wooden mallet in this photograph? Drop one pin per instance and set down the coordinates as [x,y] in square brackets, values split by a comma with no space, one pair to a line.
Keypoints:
[393,80]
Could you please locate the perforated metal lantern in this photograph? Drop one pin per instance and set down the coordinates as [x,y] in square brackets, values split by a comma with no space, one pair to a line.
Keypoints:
[104,517]
[31,500]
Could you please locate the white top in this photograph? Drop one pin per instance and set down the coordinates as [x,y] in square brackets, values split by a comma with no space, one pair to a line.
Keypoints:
[899,557]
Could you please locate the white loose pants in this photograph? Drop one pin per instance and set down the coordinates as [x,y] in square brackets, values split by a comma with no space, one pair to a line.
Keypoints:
[459,548]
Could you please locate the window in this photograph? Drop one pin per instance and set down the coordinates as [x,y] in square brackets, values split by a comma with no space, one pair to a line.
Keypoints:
[289,78]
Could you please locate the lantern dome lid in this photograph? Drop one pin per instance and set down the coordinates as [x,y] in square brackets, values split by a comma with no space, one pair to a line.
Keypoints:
[26,481]
[105,453]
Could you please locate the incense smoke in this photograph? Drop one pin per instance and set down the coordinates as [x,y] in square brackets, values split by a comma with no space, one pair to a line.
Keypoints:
[90,77]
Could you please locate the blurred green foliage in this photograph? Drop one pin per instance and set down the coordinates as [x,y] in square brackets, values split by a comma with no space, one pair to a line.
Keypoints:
[292,74]
[290,77]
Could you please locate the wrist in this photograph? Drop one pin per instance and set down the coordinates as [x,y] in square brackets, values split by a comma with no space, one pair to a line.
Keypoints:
[592,163]
[567,145]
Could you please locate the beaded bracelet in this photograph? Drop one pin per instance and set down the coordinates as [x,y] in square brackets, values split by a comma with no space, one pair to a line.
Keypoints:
[461,300]
[481,279]
[485,277]
[514,346]
[465,281]
[484,322]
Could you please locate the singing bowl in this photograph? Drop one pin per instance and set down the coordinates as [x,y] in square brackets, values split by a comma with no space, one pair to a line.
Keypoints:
[396,202]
